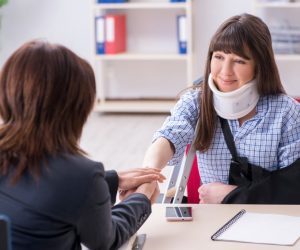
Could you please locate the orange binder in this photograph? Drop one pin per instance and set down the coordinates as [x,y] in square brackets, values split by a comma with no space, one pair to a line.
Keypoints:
[115,41]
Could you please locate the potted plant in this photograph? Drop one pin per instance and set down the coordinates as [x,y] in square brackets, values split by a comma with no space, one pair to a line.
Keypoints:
[2,2]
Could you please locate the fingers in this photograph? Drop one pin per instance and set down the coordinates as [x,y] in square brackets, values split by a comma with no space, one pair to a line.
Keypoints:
[148,178]
[139,171]
[142,172]
[202,190]
[148,171]
[130,179]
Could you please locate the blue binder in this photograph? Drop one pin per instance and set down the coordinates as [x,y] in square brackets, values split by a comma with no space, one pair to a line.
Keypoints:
[105,1]
[112,1]
[177,1]
[182,34]
[100,34]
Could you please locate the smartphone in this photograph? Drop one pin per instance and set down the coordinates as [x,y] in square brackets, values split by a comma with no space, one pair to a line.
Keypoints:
[179,213]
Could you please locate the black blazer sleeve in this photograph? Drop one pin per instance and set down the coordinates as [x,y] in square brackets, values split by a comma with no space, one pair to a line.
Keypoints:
[112,180]
[103,227]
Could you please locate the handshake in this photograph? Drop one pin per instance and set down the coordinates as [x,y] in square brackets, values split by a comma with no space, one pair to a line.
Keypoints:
[140,180]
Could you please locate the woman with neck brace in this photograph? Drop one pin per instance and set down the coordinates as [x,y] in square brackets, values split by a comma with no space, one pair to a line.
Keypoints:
[242,85]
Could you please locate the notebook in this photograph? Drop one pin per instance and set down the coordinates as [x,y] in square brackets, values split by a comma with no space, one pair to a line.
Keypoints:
[261,228]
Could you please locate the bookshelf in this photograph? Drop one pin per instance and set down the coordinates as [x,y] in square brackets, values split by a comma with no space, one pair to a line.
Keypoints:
[260,4]
[283,13]
[148,77]
[140,5]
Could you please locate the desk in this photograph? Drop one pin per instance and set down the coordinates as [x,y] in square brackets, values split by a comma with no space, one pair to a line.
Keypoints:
[207,219]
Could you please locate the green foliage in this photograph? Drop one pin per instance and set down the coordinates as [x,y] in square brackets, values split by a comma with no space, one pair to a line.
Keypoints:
[2,2]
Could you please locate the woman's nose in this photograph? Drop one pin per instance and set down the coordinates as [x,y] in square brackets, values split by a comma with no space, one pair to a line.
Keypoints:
[227,68]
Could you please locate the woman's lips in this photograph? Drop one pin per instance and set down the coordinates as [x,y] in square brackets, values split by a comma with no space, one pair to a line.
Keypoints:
[227,82]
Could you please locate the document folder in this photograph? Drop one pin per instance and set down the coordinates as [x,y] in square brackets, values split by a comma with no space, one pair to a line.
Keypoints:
[100,34]
[115,41]
[182,34]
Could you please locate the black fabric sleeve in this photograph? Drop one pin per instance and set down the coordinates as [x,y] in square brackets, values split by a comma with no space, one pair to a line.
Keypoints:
[280,187]
[128,216]
[103,227]
[112,179]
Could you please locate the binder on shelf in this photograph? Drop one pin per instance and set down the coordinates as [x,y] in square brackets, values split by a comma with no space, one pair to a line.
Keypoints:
[115,32]
[105,1]
[182,34]
[177,1]
[277,229]
[112,1]
[100,34]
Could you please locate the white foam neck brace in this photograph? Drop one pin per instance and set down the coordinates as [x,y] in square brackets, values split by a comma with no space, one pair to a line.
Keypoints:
[234,104]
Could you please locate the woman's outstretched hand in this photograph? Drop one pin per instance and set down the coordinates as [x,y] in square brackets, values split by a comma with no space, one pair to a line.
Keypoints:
[133,178]
[149,189]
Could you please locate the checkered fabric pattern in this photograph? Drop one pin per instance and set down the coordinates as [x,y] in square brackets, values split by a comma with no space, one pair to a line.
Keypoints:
[270,139]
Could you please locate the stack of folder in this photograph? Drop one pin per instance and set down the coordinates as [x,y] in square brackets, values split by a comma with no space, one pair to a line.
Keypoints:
[112,1]
[110,34]
[285,39]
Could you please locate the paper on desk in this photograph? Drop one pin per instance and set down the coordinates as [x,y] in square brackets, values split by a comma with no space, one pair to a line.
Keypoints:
[263,228]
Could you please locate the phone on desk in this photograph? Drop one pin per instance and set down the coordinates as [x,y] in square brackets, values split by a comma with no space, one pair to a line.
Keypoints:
[179,213]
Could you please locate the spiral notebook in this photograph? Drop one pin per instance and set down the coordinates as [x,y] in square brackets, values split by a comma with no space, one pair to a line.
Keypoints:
[260,228]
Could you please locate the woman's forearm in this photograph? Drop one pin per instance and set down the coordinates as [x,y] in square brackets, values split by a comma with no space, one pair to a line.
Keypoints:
[158,154]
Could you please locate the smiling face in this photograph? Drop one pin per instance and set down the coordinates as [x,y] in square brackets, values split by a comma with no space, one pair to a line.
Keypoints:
[230,71]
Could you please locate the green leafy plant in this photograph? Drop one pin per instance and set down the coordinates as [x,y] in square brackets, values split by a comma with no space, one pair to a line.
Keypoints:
[2,2]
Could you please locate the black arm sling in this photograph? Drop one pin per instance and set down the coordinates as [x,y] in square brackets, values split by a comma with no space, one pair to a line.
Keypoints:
[257,185]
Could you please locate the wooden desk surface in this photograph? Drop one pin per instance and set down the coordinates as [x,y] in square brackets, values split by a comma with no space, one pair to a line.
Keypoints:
[207,219]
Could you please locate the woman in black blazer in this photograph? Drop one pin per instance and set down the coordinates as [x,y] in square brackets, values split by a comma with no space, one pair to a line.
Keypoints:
[55,197]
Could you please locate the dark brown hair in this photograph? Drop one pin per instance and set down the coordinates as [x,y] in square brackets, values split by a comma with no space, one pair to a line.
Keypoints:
[46,94]
[237,35]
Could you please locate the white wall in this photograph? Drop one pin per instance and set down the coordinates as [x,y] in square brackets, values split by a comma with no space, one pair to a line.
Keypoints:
[63,21]
[69,22]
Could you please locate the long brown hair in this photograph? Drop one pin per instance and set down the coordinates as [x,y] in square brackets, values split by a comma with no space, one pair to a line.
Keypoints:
[46,94]
[235,35]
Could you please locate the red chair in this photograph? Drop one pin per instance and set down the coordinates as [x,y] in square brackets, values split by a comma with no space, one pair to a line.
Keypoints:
[193,183]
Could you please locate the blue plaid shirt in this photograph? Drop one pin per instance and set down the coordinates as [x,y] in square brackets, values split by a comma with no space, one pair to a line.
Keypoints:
[271,139]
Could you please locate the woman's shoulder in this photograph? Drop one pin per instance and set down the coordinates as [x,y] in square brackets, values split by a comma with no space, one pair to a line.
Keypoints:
[192,93]
[189,99]
[283,105]
[284,101]
[77,164]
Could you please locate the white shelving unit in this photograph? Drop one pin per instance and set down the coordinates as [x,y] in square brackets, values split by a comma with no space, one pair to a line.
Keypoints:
[140,5]
[288,64]
[150,75]
[280,5]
